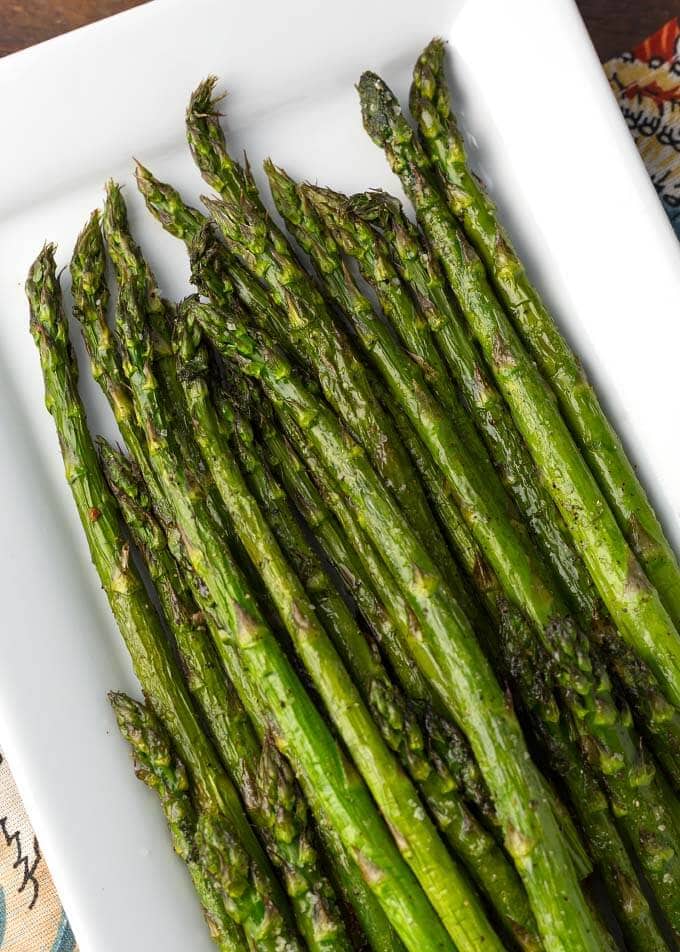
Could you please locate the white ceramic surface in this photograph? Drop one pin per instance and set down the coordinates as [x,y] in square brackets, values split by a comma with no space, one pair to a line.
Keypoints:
[548,137]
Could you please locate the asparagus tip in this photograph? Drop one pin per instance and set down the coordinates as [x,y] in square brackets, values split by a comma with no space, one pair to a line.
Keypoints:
[88,261]
[44,294]
[143,175]
[325,200]
[376,206]
[428,75]
[379,106]
[114,205]
[277,175]
[433,54]
[203,102]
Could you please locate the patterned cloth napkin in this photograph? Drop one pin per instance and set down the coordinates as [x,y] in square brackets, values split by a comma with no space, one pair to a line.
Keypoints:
[646,83]
[31,917]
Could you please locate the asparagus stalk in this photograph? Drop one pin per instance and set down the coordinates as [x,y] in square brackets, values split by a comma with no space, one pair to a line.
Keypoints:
[88,276]
[448,655]
[519,655]
[241,747]
[359,564]
[443,882]
[293,204]
[486,863]
[331,785]
[358,899]
[526,667]
[215,271]
[632,601]
[585,686]
[264,915]
[311,327]
[387,614]
[591,807]
[103,348]
[218,274]
[90,301]
[419,269]
[444,737]
[278,809]
[602,448]
[158,767]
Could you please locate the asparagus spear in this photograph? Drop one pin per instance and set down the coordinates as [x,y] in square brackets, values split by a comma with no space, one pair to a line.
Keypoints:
[311,327]
[377,268]
[90,300]
[217,275]
[331,785]
[430,105]
[419,269]
[526,667]
[486,863]
[103,349]
[114,203]
[376,926]
[241,747]
[387,613]
[448,655]
[558,746]
[443,882]
[215,271]
[277,809]
[388,616]
[158,767]
[609,852]
[629,776]
[347,875]
[632,601]
[265,916]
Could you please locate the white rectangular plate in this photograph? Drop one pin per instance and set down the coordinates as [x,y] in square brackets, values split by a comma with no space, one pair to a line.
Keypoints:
[549,140]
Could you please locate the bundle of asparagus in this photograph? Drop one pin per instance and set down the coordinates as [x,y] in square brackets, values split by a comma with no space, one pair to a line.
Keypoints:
[406,630]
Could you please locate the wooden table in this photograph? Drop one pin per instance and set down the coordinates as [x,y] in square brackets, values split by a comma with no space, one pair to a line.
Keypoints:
[615,25]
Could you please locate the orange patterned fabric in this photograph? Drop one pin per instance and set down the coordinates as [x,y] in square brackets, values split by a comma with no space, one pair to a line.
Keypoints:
[646,83]
[31,917]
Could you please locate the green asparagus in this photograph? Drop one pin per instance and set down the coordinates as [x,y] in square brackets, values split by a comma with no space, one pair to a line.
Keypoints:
[430,105]
[331,785]
[376,926]
[348,878]
[385,608]
[101,343]
[419,269]
[157,766]
[280,811]
[375,547]
[591,807]
[448,655]
[524,665]
[447,888]
[486,863]
[311,326]
[137,619]
[609,853]
[359,903]
[632,601]
[585,688]
[90,300]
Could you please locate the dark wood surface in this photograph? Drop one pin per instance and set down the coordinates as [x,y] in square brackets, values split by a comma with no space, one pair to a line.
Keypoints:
[618,25]
[614,25]
[25,22]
